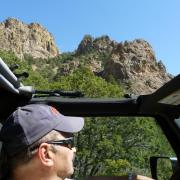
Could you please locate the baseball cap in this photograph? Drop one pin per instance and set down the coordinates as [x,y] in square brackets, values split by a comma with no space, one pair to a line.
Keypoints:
[30,123]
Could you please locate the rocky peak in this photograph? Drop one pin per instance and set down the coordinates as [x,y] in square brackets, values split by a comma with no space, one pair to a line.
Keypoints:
[102,44]
[139,48]
[11,23]
[134,64]
[31,39]
[131,63]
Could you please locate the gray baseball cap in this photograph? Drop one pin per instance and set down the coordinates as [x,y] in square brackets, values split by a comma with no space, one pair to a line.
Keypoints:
[29,123]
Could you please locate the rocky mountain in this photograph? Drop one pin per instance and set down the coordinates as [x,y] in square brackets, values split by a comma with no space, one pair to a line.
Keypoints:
[132,64]
[27,39]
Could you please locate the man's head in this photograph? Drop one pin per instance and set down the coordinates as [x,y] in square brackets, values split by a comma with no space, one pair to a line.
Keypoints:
[43,134]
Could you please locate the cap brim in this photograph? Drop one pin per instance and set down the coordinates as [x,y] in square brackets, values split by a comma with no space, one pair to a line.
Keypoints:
[70,124]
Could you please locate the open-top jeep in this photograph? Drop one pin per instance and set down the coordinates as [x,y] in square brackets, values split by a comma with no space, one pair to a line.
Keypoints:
[163,106]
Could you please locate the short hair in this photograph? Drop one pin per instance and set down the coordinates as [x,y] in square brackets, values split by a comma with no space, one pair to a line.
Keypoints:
[7,163]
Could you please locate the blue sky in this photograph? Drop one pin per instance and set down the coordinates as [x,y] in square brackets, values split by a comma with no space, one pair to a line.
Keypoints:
[156,21]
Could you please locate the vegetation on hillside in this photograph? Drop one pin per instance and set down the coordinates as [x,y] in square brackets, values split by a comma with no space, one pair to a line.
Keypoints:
[108,145]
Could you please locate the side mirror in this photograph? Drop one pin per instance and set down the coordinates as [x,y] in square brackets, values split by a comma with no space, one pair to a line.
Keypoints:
[163,167]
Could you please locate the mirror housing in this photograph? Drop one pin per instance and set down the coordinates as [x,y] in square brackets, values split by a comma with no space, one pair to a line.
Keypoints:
[154,164]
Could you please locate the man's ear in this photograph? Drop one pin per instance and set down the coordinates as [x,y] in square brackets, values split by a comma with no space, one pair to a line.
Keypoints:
[45,155]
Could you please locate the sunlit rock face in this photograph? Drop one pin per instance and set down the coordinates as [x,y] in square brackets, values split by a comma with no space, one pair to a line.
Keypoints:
[131,63]
[134,64]
[27,39]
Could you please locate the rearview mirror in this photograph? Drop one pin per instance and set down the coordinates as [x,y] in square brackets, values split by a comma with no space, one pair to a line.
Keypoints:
[162,167]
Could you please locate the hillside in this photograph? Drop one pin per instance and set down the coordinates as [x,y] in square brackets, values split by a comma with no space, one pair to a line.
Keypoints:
[131,64]
[26,39]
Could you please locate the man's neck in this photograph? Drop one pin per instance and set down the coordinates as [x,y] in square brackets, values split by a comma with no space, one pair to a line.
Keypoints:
[37,178]
[34,175]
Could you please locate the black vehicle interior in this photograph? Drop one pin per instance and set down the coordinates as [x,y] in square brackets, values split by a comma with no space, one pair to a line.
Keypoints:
[163,105]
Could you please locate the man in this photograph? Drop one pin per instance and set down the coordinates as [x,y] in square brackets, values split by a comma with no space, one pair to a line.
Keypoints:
[37,143]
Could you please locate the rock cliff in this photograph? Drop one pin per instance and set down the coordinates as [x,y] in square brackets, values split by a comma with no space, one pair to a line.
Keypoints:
[132,64]
[31,39]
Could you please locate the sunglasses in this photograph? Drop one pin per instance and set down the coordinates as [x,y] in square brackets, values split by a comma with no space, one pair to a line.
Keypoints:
[68,142]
